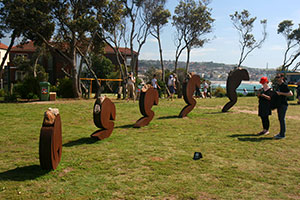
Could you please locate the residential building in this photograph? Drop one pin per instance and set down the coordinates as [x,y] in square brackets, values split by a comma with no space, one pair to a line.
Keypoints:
[53,62]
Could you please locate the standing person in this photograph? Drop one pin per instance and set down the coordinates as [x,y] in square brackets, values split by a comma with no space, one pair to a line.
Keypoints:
[283,91]
[154,82]
[245,92]
[171,86]
[205,87]
[264,105]
[130,87]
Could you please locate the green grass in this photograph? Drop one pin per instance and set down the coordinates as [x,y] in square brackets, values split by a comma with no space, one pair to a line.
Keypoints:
[153,162]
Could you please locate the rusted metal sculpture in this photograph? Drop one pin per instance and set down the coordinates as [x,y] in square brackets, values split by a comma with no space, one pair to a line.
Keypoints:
[104,112]
[189,88]
[234,79]
[50,146]
[148,98]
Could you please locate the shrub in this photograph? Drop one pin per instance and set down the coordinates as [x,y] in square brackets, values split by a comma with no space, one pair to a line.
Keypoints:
[65,89]
[250,94]
[219,92]
[2,93]
[11,98]
[28,88]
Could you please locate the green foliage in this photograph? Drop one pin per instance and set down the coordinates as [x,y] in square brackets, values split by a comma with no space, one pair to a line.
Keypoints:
[11,97]
[64,87]
[28,88]
[250,94]
[162,86]
[292,37]
[31,70]
[2,92]
[102,66]
[219,92]
[244,25]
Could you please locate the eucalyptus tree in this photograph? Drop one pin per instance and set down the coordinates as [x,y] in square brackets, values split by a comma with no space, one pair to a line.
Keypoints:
[139,17]
[244,24]
[160,17]
[19,17]
[192,20]
[292,38]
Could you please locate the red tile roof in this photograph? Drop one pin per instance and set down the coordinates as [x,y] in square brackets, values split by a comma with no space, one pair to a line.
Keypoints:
[125,51]
[27,47]
[3,46]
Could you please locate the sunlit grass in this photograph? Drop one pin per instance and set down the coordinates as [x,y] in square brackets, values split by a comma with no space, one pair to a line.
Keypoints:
[153,162]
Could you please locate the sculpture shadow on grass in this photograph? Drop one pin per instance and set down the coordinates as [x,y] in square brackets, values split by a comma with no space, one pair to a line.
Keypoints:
[86,140]
[30,172]
[213,113]
[259,139]
[125,126]
[169,117]
[241,135]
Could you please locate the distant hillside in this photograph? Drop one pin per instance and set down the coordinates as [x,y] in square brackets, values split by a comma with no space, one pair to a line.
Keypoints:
[208,70]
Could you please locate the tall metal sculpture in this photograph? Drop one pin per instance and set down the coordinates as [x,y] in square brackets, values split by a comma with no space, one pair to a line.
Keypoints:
[234,79]
[148,98]
[189,88]
[50,146]
[104,112]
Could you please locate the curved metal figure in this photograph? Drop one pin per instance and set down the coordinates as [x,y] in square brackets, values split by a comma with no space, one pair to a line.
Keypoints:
[148,98]
[189,88]
[234,79]
[50,146]
[104,112]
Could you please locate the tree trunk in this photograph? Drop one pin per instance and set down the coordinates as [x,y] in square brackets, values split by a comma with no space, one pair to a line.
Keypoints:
[74,75]
[187,60]
[12,41]
[161,58]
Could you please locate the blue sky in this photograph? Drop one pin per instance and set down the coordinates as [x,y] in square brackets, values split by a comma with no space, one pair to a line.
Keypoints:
[224,47]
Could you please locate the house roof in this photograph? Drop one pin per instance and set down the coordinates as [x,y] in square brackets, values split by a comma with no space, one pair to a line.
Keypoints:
[3,46]
[27,47]
[124,51]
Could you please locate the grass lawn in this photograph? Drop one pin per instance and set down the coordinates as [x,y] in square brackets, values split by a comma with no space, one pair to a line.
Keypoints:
[153,162]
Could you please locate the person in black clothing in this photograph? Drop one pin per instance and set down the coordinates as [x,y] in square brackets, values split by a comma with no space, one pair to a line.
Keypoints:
[283,91]
[264,106]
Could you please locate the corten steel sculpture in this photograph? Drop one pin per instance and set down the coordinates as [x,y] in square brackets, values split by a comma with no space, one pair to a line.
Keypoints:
[148,98]
[104,112]
[189,88]
[234,79]
[50,146]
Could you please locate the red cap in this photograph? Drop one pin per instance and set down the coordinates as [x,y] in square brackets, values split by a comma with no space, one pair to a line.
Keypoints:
[263,80]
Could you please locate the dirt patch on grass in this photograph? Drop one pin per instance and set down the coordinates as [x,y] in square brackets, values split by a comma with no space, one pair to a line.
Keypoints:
[65,171]
[158,159]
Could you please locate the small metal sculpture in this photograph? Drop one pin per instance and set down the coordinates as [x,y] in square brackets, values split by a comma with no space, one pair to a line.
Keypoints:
[50,146]
[148,98]
[234,79]
[104,112]
[189,88]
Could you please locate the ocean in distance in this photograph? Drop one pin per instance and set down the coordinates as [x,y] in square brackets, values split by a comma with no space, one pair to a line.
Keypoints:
[248,85]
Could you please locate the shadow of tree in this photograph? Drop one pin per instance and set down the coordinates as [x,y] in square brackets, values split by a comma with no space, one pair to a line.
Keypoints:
[86,140]
[30,172]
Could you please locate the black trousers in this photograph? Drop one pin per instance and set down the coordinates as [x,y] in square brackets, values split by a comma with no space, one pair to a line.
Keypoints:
[265,122]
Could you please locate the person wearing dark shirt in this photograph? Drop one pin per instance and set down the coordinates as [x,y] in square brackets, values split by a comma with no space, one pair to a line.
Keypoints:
[283,91]
[264,106]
